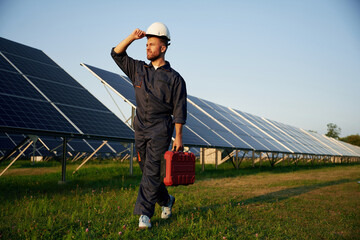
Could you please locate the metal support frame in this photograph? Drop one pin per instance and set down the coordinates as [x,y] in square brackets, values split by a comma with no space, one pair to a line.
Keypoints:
[90,156]
[11,152]
[125,157]
[241,159]
[16,158]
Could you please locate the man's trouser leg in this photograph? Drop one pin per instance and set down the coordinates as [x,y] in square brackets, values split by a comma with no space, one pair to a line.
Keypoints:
[152,190]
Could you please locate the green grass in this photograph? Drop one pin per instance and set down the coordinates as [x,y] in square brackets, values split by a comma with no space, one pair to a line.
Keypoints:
[285,202]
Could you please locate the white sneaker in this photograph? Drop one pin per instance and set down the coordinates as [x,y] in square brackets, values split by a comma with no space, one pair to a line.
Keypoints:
[166,210]
[144,222]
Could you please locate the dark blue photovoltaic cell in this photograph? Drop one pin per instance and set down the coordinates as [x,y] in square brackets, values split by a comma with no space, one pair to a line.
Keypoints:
[17,112]
[246,142]
[5,142]
[354,149]
[305,140]
[207,128]
[43,71]
[16,85]
[95,122]
[120,83]
[18,49]
[281,140]
[5,65]
[334,147]
[190,138]
[249,129]
[70,95]
[261,141]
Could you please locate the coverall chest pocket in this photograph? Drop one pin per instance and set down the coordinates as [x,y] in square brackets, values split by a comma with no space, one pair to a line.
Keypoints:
[139,78]
[162,89]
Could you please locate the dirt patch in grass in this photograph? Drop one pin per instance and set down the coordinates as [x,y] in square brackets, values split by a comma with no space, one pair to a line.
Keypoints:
[30,171]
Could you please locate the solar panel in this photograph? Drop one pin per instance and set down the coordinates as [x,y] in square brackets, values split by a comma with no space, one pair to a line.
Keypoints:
[121,84]
[270,131]
[38,95]
[195,120]
[25,113]
[241,131]
[353,148]
[245,128]
[7,46]
[308,143]
[42,70]
[333,146]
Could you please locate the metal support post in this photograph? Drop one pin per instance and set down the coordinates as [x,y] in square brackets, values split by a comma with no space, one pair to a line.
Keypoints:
[237,159]
[203,159]
[216,158]
[63,161]
[253,158]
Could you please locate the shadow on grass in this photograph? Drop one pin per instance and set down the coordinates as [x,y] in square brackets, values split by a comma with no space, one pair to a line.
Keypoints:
[278,195]
[291,192]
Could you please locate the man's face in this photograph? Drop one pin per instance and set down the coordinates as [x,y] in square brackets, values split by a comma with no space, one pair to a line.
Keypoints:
[154,48]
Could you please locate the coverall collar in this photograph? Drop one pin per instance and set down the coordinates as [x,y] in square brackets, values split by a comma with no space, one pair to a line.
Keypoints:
[166,67]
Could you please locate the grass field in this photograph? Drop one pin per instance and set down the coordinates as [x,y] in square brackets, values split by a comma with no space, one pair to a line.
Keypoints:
[285,202]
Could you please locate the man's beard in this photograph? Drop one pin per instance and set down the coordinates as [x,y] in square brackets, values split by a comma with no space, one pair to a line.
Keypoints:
[153,57]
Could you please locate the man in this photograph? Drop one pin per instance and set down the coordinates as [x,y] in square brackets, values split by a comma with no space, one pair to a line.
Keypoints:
[160,94]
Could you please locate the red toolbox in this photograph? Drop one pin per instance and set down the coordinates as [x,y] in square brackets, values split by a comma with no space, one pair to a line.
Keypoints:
[180,168]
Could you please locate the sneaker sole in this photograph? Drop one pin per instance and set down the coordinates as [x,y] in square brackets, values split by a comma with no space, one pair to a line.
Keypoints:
[144,228]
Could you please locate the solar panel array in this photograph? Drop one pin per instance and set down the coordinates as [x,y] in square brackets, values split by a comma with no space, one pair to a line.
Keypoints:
[213,125]
[38,96]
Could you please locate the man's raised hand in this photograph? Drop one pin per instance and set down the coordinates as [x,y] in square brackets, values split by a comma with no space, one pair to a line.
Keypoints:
[138,34]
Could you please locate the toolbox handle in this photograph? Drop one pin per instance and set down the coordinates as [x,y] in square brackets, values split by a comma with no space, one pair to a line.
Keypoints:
[181,150]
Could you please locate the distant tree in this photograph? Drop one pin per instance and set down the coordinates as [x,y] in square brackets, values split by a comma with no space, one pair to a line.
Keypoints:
[352,139]
[333,131]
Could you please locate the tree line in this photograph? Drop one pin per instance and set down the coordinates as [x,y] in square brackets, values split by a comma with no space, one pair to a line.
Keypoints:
[334,131]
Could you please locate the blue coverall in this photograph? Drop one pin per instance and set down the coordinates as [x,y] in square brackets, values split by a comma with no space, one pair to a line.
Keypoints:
[161,102]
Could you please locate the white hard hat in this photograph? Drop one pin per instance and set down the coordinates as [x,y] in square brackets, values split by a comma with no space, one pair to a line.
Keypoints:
[158,29]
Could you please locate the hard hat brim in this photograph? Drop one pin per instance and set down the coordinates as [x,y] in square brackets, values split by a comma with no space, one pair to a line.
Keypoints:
[152,35]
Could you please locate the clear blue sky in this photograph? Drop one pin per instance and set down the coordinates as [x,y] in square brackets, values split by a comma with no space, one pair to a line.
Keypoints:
[296,62]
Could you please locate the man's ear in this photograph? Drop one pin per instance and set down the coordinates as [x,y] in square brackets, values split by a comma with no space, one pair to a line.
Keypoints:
[163,49]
